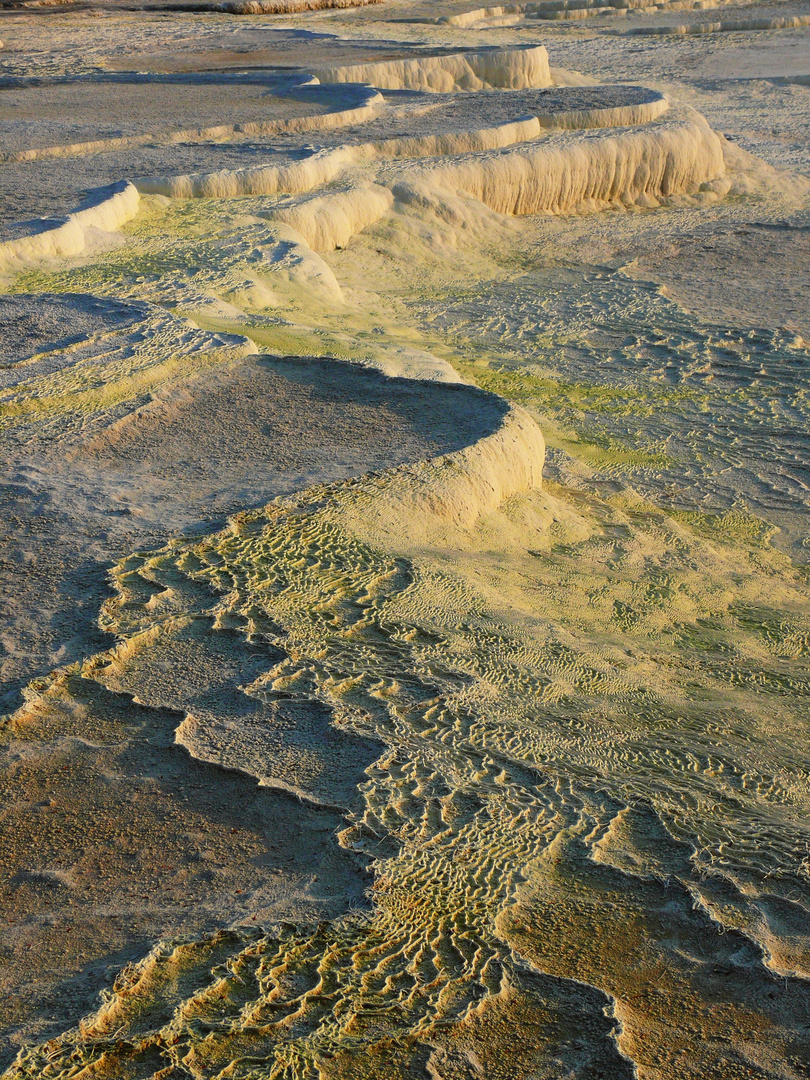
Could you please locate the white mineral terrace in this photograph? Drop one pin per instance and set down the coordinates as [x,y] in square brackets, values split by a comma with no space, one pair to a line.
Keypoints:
[404,593]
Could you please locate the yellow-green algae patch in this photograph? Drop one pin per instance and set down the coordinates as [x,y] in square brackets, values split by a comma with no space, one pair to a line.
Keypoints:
[600,671]
[593,794]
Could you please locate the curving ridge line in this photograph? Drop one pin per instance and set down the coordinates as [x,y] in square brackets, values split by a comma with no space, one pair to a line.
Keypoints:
[70,236]
[640,166]
[458,487]
[508,14]
[631,166]
[454,488]
[286,7]
[367,107]
[726,26]
[495,69]
[512,68]
[323,167]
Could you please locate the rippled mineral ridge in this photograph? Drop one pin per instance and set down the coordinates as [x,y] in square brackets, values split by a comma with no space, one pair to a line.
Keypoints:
[404,582]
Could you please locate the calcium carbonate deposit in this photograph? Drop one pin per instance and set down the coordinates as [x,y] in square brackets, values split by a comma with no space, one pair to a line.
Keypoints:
[405,568]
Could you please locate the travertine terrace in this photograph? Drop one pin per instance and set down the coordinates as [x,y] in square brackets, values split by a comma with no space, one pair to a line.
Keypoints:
[405,574]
